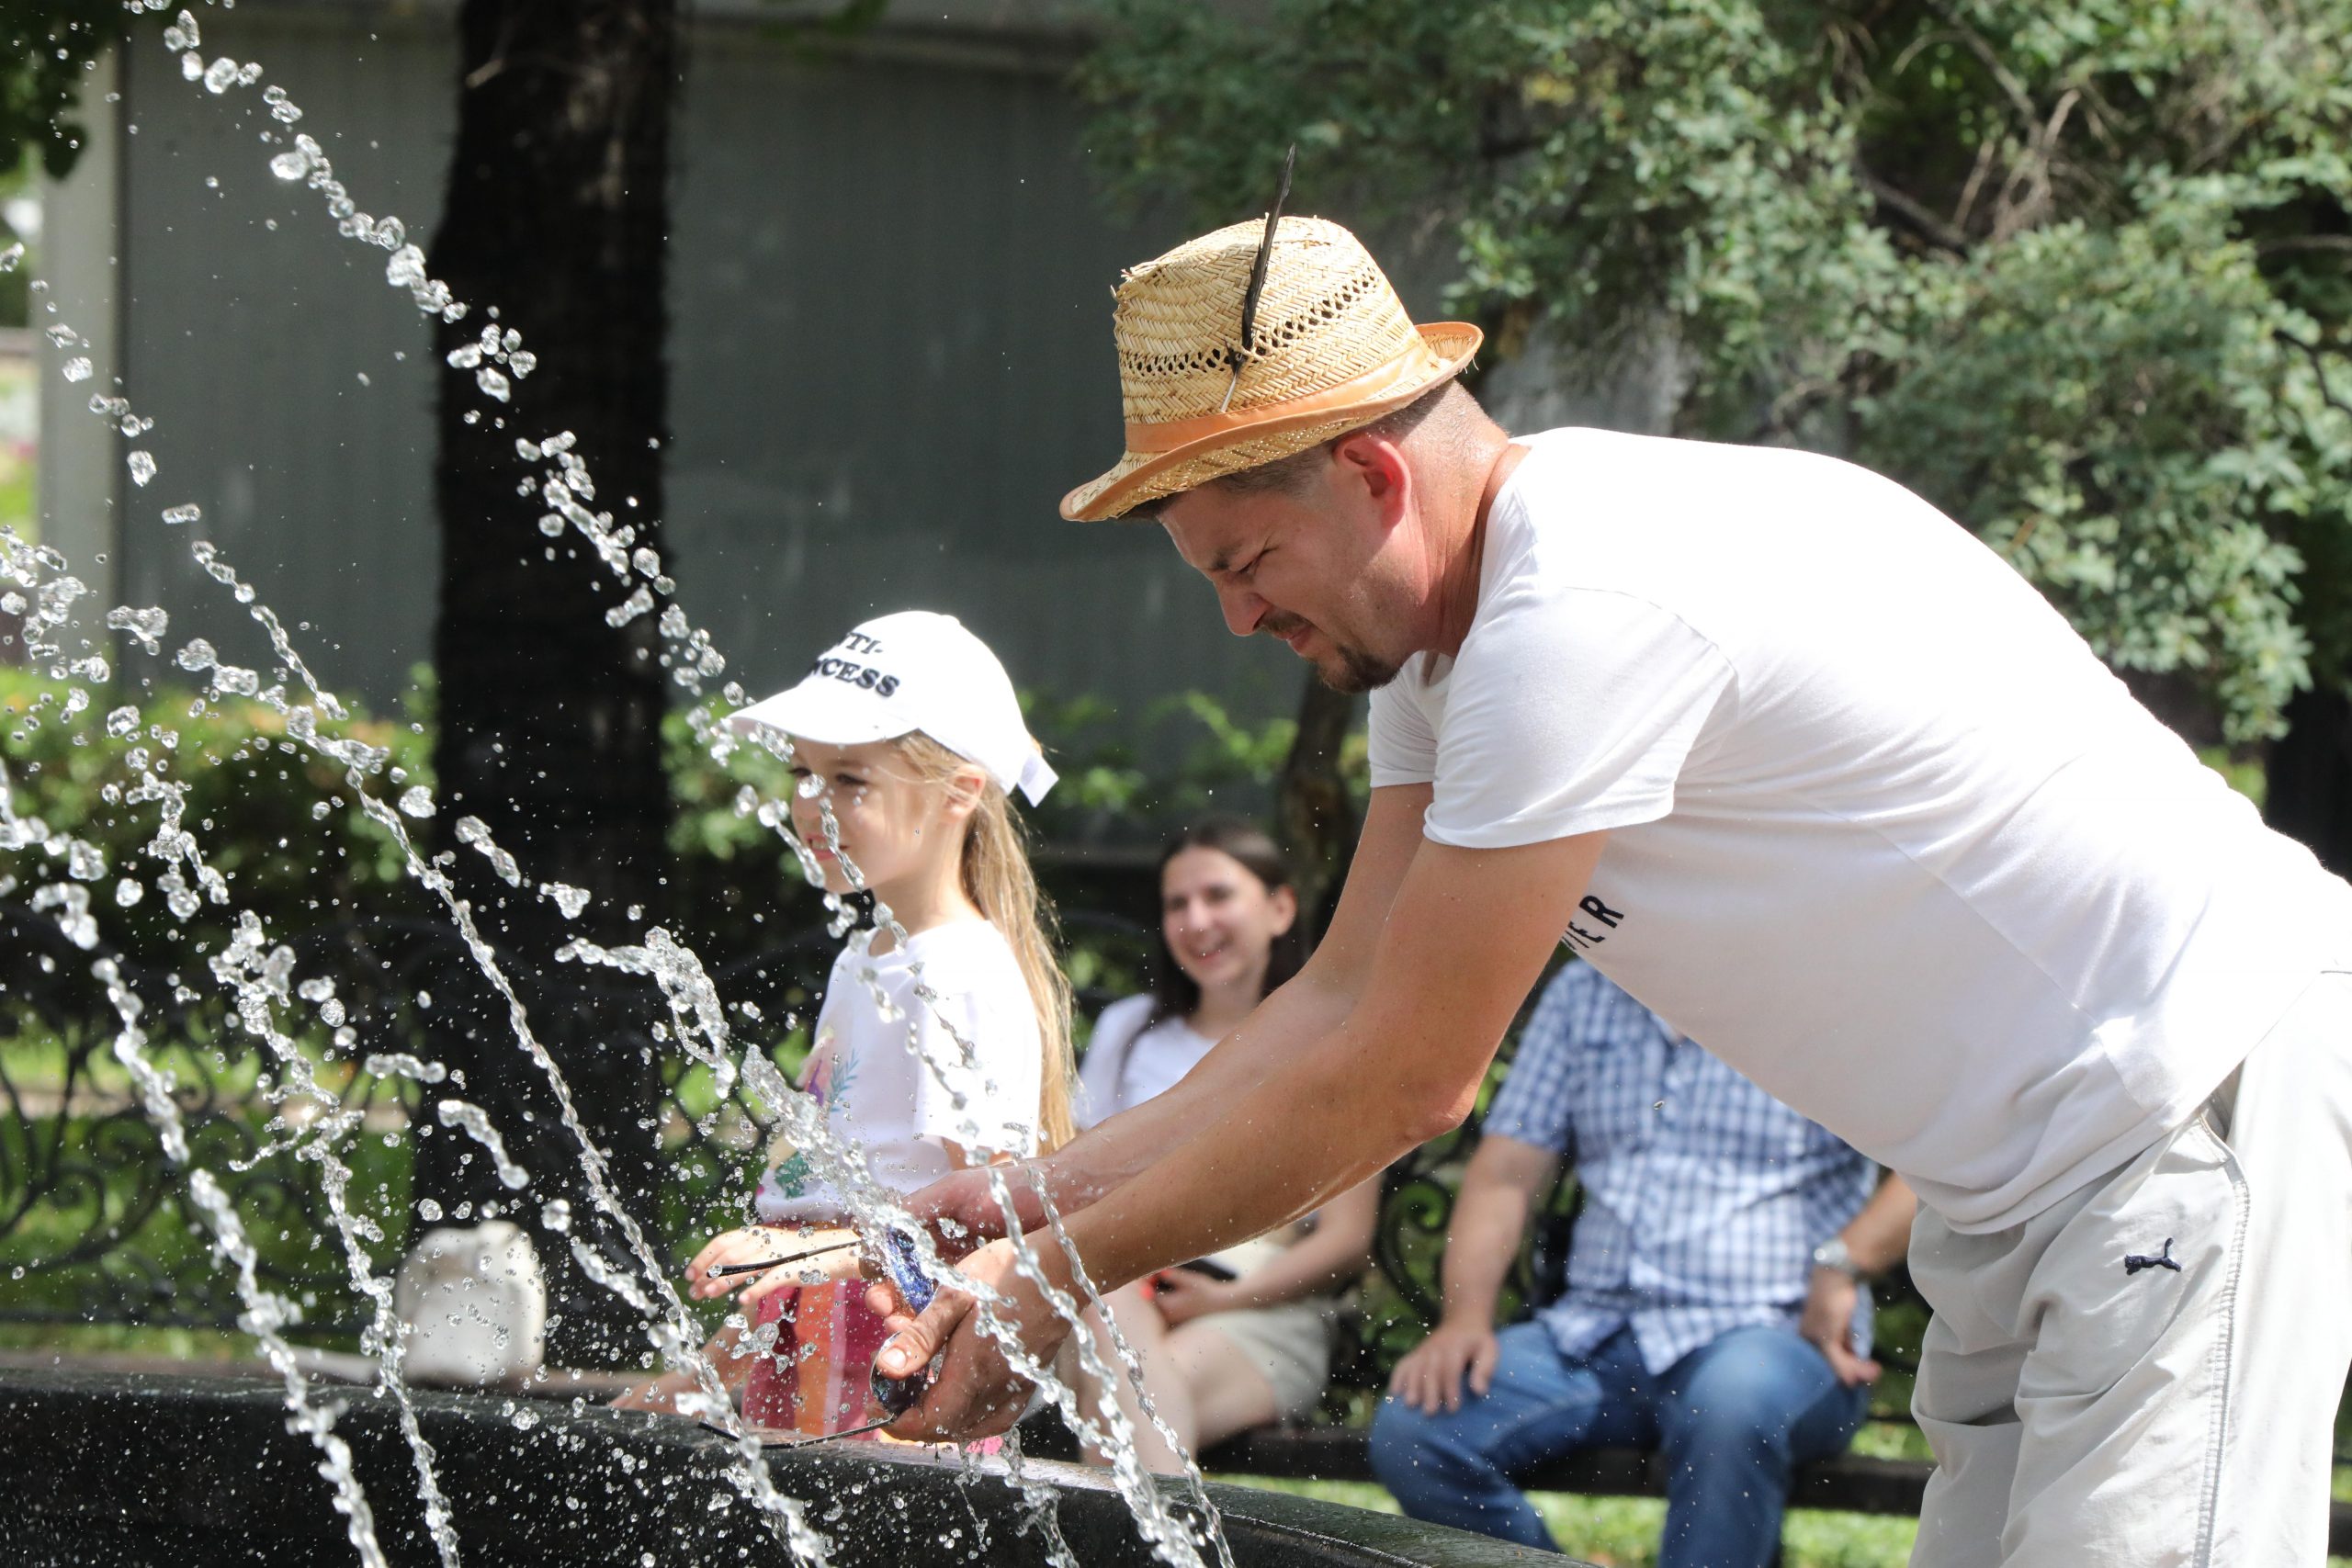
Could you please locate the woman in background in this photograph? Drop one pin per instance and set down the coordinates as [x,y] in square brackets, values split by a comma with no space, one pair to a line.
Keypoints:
[1242,1338]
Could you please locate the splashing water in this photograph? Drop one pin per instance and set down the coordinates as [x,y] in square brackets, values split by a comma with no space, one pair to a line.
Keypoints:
[258,974]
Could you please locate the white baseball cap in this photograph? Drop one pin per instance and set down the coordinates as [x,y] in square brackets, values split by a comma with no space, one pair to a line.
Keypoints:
[896,674]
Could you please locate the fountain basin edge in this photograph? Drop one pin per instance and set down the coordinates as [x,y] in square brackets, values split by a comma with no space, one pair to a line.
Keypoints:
[182,1471]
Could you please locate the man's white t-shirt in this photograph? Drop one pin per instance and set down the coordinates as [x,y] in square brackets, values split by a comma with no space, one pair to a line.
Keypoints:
[1127,1064]
[1884,834]
[890,1068]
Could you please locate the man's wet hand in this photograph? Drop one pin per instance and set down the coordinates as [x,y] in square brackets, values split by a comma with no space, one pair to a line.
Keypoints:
[974,1391]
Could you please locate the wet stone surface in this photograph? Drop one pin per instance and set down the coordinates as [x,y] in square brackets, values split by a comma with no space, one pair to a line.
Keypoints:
[122,1469]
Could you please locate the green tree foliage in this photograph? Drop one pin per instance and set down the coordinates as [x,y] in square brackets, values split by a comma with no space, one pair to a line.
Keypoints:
[2080,271]
[45,48]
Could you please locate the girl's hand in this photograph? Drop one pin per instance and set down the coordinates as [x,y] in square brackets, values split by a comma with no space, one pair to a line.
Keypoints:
[1183,1294]
[753,1243]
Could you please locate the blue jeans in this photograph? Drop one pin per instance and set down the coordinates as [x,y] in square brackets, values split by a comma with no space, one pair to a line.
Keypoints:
[1734,1420]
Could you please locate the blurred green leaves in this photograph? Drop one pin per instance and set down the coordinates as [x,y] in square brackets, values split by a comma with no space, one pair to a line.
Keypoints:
[2080,272]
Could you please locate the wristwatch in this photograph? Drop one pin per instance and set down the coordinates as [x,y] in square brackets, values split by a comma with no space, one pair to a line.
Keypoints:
[1832,1253]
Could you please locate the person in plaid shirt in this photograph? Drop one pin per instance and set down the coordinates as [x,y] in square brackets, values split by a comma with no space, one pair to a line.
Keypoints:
[1713,1310]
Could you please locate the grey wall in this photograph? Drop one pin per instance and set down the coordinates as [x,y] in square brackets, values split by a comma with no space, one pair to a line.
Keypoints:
[891,354]
[247,343]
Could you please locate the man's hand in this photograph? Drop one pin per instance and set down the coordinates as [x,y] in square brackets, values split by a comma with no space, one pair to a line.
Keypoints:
[1828,1321]
[976,1392]
[961,1211]
[1431,1377]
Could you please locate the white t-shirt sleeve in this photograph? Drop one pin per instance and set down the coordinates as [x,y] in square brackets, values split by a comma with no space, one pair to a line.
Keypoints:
[1568,712]
[1098,1071]
[1401,747]
[990,1099]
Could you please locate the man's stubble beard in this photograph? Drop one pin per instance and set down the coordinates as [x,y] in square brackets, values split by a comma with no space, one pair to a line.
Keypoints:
[1351,670]
[1357,674]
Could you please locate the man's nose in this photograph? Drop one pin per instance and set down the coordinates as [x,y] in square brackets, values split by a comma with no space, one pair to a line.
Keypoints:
[1243,609]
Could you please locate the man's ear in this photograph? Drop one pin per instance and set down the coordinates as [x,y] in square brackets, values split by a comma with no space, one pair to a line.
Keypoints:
[1374,467]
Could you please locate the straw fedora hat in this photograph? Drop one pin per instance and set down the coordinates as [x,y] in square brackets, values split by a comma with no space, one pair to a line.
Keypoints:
[1330,349]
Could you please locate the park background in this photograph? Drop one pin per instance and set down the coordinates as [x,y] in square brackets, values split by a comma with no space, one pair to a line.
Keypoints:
[2079,273]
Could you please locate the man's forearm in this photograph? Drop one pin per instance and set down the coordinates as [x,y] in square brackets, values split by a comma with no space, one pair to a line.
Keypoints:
[1467,935]
[1302,1133]
[1120,1147]
[1327,1259]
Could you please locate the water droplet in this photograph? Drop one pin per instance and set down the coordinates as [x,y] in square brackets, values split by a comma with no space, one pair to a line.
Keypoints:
[809,788]
[61,336]
[148,625]
[493,381]
[220,76]
[191,65]
[427,1209]
[417,801]
[143,467]
[11,257]
[128,892]
[406,269]
[522,362]
[568,899]
[183,34]
[290,165]
[122,721]
[78,370]
[319,809]
[628,609]
[191,513]
[391,233]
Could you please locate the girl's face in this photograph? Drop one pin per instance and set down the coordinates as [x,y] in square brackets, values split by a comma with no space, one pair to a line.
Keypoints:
[892,823]
[1221,921]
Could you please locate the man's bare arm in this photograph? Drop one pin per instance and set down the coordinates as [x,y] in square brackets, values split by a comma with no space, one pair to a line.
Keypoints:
[1466,935]
[1309,1006]
[1463,938]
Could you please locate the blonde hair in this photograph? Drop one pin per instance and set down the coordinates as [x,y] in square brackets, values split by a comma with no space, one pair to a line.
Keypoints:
[997,878]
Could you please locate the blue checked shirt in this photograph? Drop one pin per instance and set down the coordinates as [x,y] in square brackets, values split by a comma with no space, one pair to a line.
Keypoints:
[1703,1196]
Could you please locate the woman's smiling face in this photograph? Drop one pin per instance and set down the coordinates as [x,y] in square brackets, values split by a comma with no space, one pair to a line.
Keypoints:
[1220,921]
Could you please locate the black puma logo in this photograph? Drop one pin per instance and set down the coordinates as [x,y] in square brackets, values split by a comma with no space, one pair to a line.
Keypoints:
[2134,1262]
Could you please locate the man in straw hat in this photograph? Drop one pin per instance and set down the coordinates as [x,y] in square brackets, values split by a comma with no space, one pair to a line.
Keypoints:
[1810,771]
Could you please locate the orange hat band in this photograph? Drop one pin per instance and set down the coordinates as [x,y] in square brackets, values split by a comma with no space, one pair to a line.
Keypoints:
[1415,363]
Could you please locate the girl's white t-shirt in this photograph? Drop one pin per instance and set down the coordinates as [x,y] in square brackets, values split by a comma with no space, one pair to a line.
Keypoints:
[1126,1064]
[1885,833]
[890,1067]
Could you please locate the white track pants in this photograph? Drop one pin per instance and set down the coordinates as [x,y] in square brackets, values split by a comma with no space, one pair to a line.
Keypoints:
[2085,1413]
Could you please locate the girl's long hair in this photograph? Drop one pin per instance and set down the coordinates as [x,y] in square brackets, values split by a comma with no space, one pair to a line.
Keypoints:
[997,878]
[1175,993]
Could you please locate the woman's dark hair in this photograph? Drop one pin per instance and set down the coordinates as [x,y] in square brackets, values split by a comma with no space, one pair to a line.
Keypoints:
[1173,993]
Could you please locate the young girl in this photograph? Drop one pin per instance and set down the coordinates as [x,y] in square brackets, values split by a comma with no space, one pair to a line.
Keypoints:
[949,1049]
[1219,1354]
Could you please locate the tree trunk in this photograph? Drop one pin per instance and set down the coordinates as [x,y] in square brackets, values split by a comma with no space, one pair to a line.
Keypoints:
[549,718]
[1316,820]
